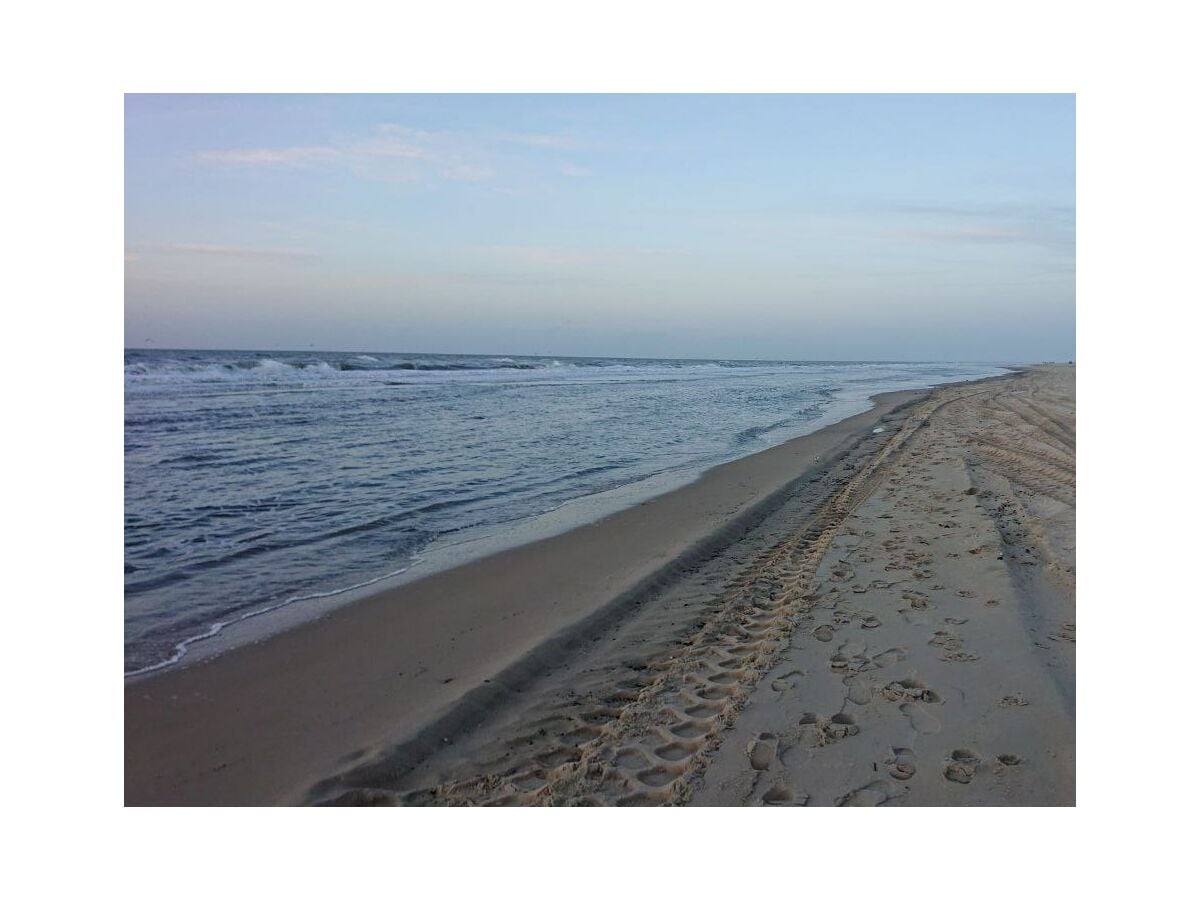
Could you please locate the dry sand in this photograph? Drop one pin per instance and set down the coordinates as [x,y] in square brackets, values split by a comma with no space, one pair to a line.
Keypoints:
[892,624]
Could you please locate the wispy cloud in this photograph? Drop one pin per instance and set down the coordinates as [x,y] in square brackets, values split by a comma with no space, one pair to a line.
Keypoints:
[544,141]
[542,256]
[389,153]
[269,156]
[392,152]
[237,250]
[1051,227]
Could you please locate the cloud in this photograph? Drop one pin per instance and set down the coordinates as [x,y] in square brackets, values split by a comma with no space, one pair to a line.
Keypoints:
[541,256]
[234,250]
[392,152]
[389,153]
[544,141]
[269,156]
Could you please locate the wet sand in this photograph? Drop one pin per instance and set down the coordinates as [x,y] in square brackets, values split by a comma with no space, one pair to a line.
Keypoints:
[383,685]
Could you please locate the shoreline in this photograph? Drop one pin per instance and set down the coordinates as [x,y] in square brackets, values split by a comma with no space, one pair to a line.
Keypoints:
[410,665]
[478,542]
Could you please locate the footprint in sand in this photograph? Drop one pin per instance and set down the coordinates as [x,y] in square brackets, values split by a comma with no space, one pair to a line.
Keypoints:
[858,689]
[782,795]
[962,765]
[840,726]
[823,633]
[841,572]
[1012,700]
[921,719]
[910,689]
[762,750]
[1009,759]
[811,733]
[916,599]
[888,657]
[902,765]
[876,793]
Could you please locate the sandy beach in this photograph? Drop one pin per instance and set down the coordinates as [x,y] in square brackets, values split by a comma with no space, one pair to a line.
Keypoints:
[879,612]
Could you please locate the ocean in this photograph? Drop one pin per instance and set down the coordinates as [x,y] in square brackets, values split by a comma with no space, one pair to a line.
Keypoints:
[258,482]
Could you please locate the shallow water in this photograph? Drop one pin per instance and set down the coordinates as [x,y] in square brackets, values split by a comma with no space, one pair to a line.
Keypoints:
[253,480]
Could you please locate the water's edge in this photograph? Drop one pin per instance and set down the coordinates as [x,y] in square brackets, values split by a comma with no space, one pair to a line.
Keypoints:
[477,543]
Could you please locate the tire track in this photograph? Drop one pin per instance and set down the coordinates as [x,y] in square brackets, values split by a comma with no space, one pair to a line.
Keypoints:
[646,739]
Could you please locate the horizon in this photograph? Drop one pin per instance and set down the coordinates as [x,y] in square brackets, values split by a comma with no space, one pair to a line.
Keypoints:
[509,353]
[843,226]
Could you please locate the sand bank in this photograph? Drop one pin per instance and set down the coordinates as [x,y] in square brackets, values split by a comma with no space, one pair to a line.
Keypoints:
[378,685]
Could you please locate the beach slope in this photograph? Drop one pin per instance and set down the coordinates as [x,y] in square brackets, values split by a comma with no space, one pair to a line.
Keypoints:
[900,630]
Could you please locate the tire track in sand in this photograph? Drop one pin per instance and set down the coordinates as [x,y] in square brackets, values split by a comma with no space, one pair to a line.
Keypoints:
[647,739]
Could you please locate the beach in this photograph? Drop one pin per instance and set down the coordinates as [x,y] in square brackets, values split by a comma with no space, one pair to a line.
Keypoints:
[880,612]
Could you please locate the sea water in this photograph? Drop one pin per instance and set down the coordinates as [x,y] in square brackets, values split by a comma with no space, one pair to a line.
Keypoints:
[258,481]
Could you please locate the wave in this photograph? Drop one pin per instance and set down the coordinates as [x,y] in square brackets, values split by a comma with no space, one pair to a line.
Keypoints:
[151,369]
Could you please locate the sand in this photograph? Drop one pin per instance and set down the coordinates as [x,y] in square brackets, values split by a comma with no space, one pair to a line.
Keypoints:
[855,618]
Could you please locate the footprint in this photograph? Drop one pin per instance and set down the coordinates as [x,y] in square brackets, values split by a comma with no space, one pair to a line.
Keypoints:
[876,793]
[841,572]
[1010,759]
[959,656]
[858,689]
[916,599]
[823,633]
[811,733]
[961,768]
[782,795]
[840,726]
[902,765]
[762,751]
[888,657]
[870,622]
[911,689]
[1012,700]
[922,721]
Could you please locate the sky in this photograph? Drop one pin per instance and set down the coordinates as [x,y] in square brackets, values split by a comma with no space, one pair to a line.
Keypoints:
[831,227]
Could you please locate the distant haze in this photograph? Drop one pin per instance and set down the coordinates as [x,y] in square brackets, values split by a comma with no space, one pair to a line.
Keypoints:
[898,227]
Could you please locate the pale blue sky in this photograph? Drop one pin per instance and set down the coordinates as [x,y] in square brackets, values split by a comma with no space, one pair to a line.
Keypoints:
[776,226]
